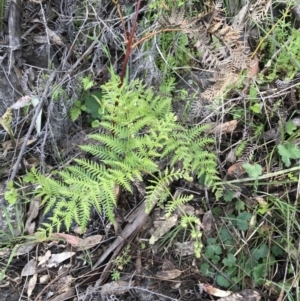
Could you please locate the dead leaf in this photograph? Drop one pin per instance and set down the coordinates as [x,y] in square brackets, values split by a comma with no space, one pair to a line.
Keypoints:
[45,258]
[253,70]
[65,296]
[185,248]
[89,242]
[245,295]
[207,222]
[25,248]
[64,284]
[271,134]
[31,285]
[169,274]
[116,287]
[40,39]
[7,145]
[54,37]
[31,162]
[295,121]
[30,228]
[162,227]
[176,285]
[74,241]
[32,213]
[214,291]
[44,279]
[21,140]
[231,156]
[21,102]
[186,209]
[227,127]
[29,269]
[6,120]
[236,170]
[55,259]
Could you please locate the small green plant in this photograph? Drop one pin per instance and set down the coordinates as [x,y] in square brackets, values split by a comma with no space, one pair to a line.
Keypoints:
[287,152]
[189,223]
[237,264]
[286,40]
[11,194]
[12,232]
[90,103]
[123,259]
[115,275]
[176,50]
[137,131]
[120,262]
[254,171]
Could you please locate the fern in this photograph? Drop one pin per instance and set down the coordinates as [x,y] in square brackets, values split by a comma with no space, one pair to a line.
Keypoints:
[137,131]
[160,185]
[189,220]
[175,203]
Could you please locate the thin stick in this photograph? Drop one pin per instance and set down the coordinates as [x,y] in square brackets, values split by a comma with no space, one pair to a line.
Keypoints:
[129,43]
[269,175]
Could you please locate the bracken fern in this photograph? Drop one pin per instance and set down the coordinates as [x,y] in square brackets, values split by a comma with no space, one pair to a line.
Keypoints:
[137,132]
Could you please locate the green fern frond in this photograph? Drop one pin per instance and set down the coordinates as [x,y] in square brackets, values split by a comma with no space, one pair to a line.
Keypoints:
[93,168]
[175,203]
[45,231]
[193,133]
[108,197]
[154,191]
[100,151]
[122,178]
[49,202]
[240,148]
[68,212]
[202,143]
[112,142]
[189,220]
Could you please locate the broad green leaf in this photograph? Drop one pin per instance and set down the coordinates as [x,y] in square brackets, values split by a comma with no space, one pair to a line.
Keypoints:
[276,250]
[229,195]
[92,103]
[211,241]
[29,178]
[290,127]
[260,252]
[75,113]
[225,235]
[230,261]
[215,259]
[205,270]
[222,281]
[214,249]
[95,123]
[240,205]
[253,171]
[249,265]
[255,108]
[242,220]
[11,194]
[288,151]
[87,83]
[258,273]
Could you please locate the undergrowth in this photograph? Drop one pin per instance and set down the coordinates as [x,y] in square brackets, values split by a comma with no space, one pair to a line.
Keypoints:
[138,138]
